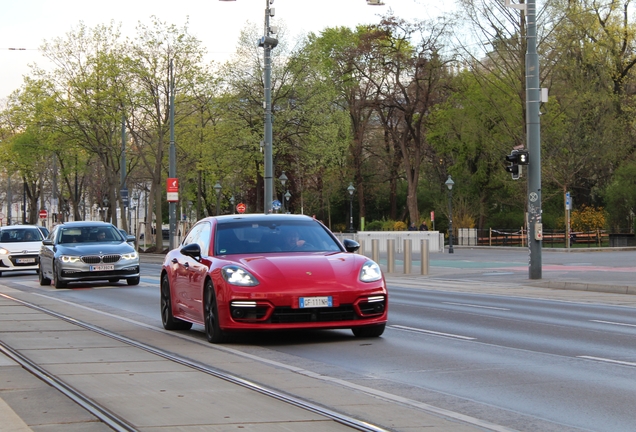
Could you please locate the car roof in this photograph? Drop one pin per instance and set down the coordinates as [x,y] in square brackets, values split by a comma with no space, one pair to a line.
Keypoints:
[260,217]
[19,227]
[75,224]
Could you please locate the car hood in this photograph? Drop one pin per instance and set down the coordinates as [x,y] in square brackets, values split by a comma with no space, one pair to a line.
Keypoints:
[94,248]
[29,247]
[311,269]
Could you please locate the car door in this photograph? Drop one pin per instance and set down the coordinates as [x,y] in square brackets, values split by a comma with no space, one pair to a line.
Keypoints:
[197,270]
[46,256]
[180,277]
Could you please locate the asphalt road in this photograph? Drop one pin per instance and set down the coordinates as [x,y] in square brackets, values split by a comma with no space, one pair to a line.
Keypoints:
[474,337]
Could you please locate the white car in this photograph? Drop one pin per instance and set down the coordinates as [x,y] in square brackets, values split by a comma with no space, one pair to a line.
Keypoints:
[19,248]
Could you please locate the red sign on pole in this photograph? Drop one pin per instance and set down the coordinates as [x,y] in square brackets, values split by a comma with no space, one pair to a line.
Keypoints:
[240,207]
[432,216]
[44,214]
[172,189]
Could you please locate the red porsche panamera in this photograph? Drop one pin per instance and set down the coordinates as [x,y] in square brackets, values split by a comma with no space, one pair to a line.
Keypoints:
[270,272]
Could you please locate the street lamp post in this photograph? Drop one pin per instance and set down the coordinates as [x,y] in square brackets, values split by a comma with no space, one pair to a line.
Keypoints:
[287,197]
[449,185]
[351,189]
[283,180]
[232,201]
[217,188]
[105,202]
[268,43]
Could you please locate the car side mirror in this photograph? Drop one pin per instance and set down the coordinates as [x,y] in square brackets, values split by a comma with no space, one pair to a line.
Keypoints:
[351,245]
[192,250]
[47,242]
[131,238]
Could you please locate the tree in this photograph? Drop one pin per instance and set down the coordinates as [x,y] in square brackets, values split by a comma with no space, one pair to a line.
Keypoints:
[156,49]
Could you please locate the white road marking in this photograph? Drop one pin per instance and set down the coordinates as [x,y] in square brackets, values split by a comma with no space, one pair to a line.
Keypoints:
[614,323]
[476,306]
[416,330]
[601,359]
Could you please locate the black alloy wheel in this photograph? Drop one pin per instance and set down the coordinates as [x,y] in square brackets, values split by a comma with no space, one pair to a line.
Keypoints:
[167,319]
[211,316]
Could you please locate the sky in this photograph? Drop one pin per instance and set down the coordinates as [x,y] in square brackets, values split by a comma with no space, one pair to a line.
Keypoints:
[27,23]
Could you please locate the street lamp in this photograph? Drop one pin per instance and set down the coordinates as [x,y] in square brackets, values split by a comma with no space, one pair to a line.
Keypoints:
[268,43]
[105,202]
[287,197]
[217,188]
[351,189]
[232,201]
[449,184]
[283,180]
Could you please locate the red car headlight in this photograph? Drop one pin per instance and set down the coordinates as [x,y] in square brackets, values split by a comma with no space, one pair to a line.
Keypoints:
[236,275]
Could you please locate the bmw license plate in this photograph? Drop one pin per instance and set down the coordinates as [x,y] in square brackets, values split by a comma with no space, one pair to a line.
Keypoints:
[103,267]
[25,260]
[312,302]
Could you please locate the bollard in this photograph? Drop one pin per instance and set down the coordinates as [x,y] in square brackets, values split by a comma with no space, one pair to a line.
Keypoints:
[424,256]
[407,255]
[390,255]
[361,250]
[375,250]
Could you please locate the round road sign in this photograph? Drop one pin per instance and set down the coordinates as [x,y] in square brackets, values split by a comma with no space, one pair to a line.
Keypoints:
[240,207]
[44,214]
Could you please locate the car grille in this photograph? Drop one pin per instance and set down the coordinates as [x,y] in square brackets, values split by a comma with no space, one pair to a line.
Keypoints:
[96,259]
[283,315]
[14,259]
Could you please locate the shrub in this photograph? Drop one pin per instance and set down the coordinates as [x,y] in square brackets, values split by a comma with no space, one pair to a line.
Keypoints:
[339,227]
[587,219]
[399,226]
[374,226]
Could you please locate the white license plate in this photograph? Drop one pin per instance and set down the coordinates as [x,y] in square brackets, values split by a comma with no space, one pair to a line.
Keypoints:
[311,302]
[103,267]
[25,260]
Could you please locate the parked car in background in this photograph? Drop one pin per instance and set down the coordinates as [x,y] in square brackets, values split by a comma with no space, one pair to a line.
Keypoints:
[19,248]
[45,231]
[270,272]
[87,251]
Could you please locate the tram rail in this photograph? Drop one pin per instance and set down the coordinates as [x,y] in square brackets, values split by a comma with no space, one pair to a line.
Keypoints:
[117,421]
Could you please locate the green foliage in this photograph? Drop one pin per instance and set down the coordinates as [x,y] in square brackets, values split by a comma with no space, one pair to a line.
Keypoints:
[620,198]
[374,226]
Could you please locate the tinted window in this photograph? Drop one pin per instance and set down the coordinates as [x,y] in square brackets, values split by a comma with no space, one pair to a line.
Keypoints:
[20,235]
[267,237]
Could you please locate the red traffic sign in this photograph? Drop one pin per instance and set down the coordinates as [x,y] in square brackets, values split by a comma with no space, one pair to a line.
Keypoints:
[240,207]
[44,214]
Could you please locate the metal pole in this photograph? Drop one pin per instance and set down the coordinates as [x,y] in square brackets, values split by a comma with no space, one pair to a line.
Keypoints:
[269,164]
[9,198]
[450,221]
[124,190]
[424,256]
[533,100]
[172,206]
[408,248]
[350,213]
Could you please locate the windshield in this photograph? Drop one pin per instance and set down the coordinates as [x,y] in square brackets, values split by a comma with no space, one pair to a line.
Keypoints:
[20,235]
[268,237]
[89,234]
